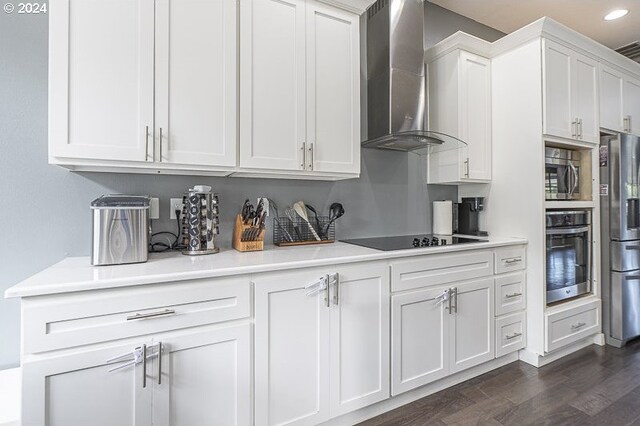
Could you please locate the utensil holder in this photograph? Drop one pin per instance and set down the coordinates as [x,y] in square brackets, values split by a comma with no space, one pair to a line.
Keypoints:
[254,245]
[285,233]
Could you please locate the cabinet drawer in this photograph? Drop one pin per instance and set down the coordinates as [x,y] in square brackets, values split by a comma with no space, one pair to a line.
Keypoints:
[511,333]
[510,259]
[440,269]
[65,321]
[568,326]
[510,293]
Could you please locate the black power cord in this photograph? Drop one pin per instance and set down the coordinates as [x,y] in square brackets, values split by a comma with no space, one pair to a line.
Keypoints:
[160,247]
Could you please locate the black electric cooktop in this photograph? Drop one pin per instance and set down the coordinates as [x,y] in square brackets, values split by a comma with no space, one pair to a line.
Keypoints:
[404,242]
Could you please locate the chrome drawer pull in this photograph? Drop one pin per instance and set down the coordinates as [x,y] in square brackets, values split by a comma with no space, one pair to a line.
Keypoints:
[151,315]
[509,296]
[578,325]
[513,336]
[512,261]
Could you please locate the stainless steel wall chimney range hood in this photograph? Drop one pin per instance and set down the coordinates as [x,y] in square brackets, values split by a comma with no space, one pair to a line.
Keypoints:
[396,95]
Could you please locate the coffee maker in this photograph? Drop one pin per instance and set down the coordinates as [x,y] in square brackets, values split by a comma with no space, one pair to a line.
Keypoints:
[467,215]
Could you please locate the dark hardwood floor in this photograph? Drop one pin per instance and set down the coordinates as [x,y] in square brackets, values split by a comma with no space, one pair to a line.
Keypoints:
[594,386]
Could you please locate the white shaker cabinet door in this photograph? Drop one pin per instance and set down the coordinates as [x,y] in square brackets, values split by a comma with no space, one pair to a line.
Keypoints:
[359,337]
[475,116]
[632,105]
[291,351]
[585,97]
[206,378]
[473,335]
[78,389]
[272,84]
[196,82]
[420,334]
[611,89]
[333,90]
[101,79]
[557,97]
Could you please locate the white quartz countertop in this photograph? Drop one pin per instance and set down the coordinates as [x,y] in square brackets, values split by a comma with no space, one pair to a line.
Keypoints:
[77,274]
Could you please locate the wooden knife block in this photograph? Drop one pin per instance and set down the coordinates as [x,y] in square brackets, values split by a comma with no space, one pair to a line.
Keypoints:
[238,244]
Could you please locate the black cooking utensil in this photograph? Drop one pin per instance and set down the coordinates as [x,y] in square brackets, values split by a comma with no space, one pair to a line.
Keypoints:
[336,211]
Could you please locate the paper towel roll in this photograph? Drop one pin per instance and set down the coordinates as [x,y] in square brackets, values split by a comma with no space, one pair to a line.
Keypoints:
[443,217]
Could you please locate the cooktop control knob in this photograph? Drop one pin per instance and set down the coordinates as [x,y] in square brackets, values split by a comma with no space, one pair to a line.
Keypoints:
[416,242]
[443,242]
[435,241]
[425,242]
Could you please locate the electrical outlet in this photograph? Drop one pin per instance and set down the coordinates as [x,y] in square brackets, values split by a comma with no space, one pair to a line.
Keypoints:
[174,204]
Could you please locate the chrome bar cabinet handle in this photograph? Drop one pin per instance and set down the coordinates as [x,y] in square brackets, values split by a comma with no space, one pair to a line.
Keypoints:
[159,363]
[144,366]
[146,144]
[310,167]
[304,155]
[151,315]
[512,295]
[578,325]
[336,288]
[161,144]
[512,336]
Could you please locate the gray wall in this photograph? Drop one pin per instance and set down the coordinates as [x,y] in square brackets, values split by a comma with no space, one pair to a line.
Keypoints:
[46,215]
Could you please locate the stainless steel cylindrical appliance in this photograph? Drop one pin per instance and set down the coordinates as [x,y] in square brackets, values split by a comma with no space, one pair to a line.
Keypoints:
[121,229]
[200,221]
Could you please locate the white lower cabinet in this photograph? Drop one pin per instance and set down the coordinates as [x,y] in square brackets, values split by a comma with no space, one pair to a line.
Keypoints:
[205,379]
[440,331]
[78,389]
[419,339]
[323,354]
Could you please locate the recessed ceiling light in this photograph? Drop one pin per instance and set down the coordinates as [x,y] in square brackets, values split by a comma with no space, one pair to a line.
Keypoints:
[618,13]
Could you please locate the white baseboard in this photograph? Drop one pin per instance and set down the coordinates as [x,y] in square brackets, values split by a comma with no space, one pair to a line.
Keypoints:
[415,394]
[10,391]
[538,360]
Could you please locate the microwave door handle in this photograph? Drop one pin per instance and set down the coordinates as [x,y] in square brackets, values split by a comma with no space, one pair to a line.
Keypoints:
[575,179]
[567,231]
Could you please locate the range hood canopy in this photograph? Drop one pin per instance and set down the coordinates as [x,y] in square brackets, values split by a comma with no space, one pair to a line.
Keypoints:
[396,95]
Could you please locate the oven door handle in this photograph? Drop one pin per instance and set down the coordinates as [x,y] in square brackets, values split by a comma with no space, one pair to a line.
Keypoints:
[567,231]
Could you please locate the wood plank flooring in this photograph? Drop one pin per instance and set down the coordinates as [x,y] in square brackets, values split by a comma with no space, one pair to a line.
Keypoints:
[594,386]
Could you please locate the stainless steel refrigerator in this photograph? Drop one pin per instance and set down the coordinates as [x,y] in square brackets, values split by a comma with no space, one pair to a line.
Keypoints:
[620,228]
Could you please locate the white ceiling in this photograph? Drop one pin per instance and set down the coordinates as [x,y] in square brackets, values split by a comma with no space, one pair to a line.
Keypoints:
[584,16]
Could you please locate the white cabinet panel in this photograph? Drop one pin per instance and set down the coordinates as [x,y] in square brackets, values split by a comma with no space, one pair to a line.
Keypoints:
[101,79]
[631,93]
[272,84]
[585,102]
[460,106]
[473,325]
[511,333]
[206,378]
[475,118]
[359,338]
[420,349]
[611,87]
[510,293]
[557,96]
[291,351]
[196,79]
[79,390]
[333,90]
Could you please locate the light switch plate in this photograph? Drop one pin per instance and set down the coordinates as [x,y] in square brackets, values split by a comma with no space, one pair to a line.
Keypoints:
[154,208]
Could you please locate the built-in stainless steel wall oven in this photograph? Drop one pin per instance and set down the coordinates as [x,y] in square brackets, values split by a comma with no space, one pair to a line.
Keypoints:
[569,257]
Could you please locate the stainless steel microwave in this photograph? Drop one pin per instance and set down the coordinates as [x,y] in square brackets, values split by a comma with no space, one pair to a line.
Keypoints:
[562,174]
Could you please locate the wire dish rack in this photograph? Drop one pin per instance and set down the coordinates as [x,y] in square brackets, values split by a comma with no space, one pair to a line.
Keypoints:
[287,232]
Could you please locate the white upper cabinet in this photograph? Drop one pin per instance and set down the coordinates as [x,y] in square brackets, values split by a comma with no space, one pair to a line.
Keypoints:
[460,106]
[272,84]
[101,79]
[619,101]
[631,105]
[299,87]
[570,93]
[333,90]
[196,77]
[611,94]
